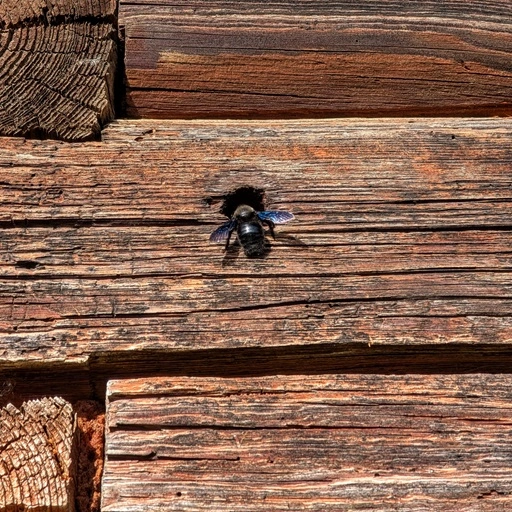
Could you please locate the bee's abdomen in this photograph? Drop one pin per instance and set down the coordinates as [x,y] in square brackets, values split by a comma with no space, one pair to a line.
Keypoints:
[252,238]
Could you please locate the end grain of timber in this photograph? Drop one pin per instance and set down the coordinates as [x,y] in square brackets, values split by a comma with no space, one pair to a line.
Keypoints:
[58,62]
[38,445]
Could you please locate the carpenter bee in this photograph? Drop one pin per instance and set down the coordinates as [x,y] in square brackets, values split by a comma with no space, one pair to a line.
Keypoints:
[249,228]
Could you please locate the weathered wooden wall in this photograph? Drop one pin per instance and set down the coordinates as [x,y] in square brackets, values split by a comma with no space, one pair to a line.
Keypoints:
[398,261]
[225,59]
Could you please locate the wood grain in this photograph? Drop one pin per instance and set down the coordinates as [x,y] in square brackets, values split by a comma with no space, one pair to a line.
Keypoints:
[326,442]
[259,59]
[38,456]
[400,248]
[58,62]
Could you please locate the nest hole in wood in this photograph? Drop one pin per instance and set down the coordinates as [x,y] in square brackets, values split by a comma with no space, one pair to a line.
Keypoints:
[246,194]
[27,264]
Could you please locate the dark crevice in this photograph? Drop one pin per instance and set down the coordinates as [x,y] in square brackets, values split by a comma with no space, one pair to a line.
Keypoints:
[155,456]
[88,223]
[120,82]
[332,302]
[284,426]
[89,380]
[33,265]
[321,228]
[320,112]
[287,304]
[28,264]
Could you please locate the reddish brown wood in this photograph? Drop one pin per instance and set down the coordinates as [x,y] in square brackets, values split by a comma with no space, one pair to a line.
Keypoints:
[286,59]
[38,448]
[327,442]
[91,423]
[58,63]
[400,248]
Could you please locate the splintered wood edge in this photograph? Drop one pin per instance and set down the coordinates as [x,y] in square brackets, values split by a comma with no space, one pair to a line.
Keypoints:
[38,453]
[59,68]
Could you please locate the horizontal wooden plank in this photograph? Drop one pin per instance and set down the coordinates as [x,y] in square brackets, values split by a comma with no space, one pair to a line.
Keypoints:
[117,341]
[286,59]
[487,9]
[105,260]
[58,62]
[345,175]
[399,495]
[308,442]
[74,252]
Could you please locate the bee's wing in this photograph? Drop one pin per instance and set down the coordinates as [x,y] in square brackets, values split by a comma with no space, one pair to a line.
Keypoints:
[276,216]
[222,232]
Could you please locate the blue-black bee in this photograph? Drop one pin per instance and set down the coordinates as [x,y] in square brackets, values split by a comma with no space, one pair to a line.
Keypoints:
[249,228]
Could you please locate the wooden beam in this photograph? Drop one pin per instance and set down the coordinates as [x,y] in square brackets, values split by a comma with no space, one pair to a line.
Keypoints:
[326,442]
[38,447]
[265,59]
[401,245]
[58,62]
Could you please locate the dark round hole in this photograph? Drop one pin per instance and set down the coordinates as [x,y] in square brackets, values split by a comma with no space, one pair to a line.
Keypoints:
[243,195]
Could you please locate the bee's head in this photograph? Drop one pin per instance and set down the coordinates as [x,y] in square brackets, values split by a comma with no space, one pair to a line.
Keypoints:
[244,213]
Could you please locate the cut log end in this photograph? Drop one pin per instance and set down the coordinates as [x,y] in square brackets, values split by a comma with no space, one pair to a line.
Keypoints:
[38,444]
[58,73]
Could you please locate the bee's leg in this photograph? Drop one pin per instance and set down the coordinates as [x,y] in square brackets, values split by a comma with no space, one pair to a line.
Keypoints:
[228,239]
[270,225]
